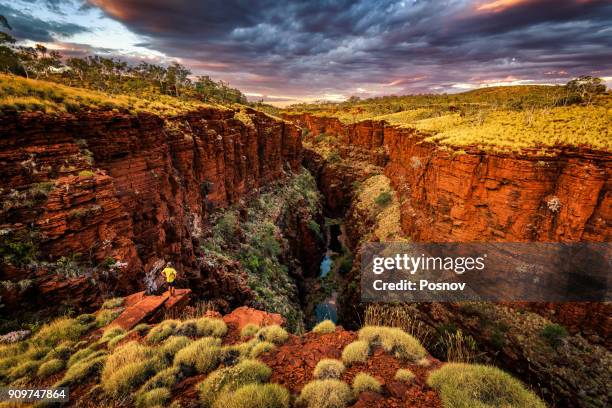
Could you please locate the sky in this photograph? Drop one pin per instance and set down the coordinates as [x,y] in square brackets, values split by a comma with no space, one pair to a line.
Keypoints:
[293,51]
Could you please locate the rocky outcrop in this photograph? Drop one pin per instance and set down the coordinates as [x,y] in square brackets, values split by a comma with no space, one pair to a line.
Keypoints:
[468,195]
[110,194]
[472,195]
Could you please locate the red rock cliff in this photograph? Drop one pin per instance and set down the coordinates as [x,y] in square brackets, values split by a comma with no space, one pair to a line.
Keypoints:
[124,192]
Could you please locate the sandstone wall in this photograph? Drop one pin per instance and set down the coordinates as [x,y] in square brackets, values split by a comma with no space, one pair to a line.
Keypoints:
[132,188]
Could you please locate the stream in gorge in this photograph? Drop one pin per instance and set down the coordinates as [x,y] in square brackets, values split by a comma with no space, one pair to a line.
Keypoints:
[328,308]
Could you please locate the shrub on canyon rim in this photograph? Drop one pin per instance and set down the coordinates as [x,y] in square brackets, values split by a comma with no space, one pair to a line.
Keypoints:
[356,352]
[249,330]
[326,326]
[405,375]
[395,341]
[201,356]
[328,368]
[58,331]
[473,385]
[156,397]
[325,394]
[229,379]
[273,334]
[365,382]
[255,396]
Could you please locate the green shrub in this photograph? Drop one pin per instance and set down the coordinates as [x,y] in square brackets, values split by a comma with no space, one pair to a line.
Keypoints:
[112,343]
[128,367]
[211,327]
[62,352]
[26,368]
[171,346]
[157,397]
[82,370]
[201,356]
[105,316]
[166,378]
[227,380]
[365,382]
[395,341]
[472,385]
[261,347]
[326,326]
[110,333]
[58,331]
[255,396]
[554,334]
[325,394]
[249,330]
[356,352]
[86,173]
[141,328]
[162,331]
[384,199]
[274,334]
[328,368]
[113,303]
[405,375]
[80,355]
[50,367]
[86,318]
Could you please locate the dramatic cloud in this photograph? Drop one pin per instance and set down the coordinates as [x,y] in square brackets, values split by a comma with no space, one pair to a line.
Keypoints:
[333,49]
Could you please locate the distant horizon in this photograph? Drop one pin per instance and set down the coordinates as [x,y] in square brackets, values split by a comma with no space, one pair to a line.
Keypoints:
[309,51]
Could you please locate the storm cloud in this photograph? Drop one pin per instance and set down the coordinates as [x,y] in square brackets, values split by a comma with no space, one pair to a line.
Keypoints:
[333,49]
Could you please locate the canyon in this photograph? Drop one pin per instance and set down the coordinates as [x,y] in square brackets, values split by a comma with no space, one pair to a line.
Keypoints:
[123,194]
[95,204]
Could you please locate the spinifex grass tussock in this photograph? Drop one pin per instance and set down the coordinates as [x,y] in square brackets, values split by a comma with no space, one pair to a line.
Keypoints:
[328,368]
[365,382]
[465,385]
[394,341]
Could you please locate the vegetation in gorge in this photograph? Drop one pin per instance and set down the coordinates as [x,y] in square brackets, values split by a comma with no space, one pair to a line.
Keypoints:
[258,243]
[499,119]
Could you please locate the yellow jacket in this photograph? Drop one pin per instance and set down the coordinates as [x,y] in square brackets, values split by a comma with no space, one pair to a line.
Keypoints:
[170,274]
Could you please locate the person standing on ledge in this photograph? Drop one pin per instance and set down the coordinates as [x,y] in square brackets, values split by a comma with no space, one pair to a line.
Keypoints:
[170,274]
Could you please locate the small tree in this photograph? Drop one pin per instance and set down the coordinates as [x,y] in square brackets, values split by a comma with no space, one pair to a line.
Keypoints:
[586,87]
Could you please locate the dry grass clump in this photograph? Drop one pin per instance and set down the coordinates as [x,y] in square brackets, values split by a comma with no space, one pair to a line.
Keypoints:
[328,368]
[401,316]
[261,347]
[165,378]
[255,396]
[356,352]
[325,394]
[162,331]
[229,379]
[105,316]
[84,369]
[59,330]
[326,326]
[365,382]
[50,367]
[127,368]
[274,334]
[201,356]
[157,397]
[405,375]
[395,341]
[111,333]
[202,327]
[113,303]
[249,330]
[466,385]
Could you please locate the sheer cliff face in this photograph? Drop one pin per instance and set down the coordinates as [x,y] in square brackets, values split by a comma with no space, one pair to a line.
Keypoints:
[135,190]
[475,196]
